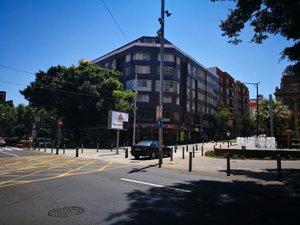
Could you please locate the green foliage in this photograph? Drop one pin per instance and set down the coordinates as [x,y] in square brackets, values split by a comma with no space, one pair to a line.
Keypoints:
[267,17]
[7,118]
[281,117]
[82,95]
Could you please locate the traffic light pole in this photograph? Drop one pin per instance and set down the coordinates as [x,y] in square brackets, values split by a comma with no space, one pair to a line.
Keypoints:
[162,27]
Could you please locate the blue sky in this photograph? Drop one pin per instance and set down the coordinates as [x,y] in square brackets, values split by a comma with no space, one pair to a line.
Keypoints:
[38,34]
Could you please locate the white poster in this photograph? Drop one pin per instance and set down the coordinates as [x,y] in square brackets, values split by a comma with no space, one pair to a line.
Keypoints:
[117,120]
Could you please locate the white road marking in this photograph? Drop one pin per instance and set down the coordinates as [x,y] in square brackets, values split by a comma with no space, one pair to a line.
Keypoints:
[154,185]
[11,154]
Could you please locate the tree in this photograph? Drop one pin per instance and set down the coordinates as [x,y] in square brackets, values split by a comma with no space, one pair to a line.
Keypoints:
[267,17]
[281,118]
[221,117]
[7,118]
[82,95]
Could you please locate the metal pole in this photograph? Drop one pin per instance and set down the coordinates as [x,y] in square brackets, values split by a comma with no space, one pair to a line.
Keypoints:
[271,115]
[162,23]
[257,112]
[118,136]
[97,147]
[228,163]
[279,176]
[190,162]
[134,111]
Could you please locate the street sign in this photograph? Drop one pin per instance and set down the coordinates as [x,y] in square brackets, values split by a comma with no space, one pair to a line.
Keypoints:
[116,120]
[159,113]
[158,124]
[228,133]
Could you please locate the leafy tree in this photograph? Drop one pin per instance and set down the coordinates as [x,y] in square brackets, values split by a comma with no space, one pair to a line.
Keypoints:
[7,118]
[281,117]
[221,117]
[267,17]
[82,95]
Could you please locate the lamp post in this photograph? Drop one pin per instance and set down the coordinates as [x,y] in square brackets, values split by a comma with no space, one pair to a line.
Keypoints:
[257,110]
[134,112]
[161,33]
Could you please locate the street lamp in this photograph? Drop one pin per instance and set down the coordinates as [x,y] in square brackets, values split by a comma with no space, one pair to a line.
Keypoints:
[257,112]
[134,112]
[161,35]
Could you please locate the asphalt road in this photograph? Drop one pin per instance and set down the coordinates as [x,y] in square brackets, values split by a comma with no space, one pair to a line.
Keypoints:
[50,189]
[15,152]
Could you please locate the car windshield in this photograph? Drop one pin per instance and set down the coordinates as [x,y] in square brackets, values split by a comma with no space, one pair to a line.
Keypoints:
[146,143]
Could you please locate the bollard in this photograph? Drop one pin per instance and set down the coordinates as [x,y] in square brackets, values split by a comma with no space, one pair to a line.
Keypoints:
[279,174]
[193,152]
[81,148]
[39,146]
[111,147]
[196,147]
[97,147]
[45,146]
[76,152]
[214,147]
[52,147]
[57,149]
[171,158]
[126,153]
[175,149]
[64,150]
[220,146]
[243,151]
[228,163]
[190,162]
[182,152]
[187,148]
[202,150]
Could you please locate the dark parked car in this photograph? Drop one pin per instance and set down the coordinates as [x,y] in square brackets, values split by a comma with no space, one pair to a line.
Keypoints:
[2,142]
[148,149]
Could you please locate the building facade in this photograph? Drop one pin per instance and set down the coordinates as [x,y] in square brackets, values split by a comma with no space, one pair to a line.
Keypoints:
[234,95]
[190,90]
[289,94]
[2,96]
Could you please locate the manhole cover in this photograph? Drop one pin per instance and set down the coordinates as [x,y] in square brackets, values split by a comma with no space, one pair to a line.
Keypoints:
[66,211]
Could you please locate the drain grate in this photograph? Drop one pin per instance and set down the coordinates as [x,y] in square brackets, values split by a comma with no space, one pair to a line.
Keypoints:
[66,211]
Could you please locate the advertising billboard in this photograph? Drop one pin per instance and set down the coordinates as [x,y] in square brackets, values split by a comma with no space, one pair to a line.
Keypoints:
[116,120]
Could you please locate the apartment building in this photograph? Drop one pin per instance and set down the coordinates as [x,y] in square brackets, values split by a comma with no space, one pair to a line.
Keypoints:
[190,90]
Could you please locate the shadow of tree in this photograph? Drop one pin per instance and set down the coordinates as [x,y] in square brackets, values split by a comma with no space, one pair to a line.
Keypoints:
[211,202]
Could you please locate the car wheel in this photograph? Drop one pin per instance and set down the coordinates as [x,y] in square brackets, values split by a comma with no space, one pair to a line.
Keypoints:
[136,156]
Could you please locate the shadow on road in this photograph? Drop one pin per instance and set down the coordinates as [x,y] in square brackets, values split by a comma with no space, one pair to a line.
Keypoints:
[212,203]
[143,169]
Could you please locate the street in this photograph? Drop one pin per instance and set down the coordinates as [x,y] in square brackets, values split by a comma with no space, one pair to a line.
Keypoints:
[51,189]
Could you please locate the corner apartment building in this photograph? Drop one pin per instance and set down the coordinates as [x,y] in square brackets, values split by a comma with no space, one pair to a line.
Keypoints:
[234,95]
[191,91]
[289,94]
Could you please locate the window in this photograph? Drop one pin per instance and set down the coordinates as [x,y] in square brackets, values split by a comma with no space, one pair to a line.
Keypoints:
[188,106]
[169,86]
[144,85]
[193,83]
[142,98]
[193,94]
[177,60]
[142,69]
[167,99]
[127,58]
[113,65]
[168,71]
[200,97]
[127,71]
[141,56]
[177,100]
[106,65]
[188,93]
[167,57]
[193,106]
[189,68]
[178,73]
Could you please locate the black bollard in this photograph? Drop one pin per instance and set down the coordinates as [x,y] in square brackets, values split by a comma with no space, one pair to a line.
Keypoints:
[97,147]
[175,149]
[279,174]
[187,148]
[171,158]
[228,163]
[202,150]
[243,151]
[57,150]
[220,146]
[77,152]
[52,147]
[39,146]
[196,147]
[64,150]
[190,162]
[81,148]
[182,152]
[126,153]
